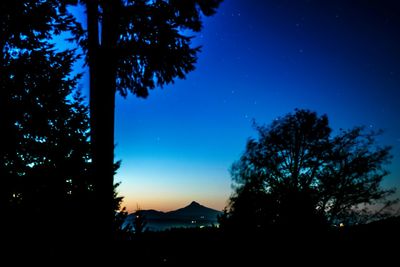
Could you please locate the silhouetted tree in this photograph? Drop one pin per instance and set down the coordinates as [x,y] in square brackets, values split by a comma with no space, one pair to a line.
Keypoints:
[49,177]
[25,27]
[296,173]
[122,230]
[47,168]
[34,84]
[45,157]
[138,45]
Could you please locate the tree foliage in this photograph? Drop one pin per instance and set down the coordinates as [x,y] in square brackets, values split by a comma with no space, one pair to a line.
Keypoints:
[25,27]
[47,169]
[45,165]
[122,230]
[297,173]
[152,48]
[45,158]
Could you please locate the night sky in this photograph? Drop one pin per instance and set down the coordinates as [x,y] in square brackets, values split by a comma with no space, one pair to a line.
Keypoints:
[260,60]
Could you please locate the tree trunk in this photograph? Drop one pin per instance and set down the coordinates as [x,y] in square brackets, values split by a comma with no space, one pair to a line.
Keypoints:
[102,65]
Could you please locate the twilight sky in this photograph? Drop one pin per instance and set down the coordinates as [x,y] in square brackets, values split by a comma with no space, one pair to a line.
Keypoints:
[260,60]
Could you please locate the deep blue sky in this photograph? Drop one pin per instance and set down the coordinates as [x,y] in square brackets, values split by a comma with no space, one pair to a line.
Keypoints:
[260,60]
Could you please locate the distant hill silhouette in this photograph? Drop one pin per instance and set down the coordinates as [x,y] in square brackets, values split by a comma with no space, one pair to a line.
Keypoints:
[193,215]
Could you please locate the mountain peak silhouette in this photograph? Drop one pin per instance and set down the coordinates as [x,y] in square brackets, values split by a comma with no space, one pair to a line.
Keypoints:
[192,215]
[194,204]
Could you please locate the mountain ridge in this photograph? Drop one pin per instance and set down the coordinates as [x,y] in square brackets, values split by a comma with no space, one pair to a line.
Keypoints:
[192,215]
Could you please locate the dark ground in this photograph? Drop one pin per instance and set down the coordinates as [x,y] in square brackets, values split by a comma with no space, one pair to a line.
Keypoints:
[374,244]
[211,247]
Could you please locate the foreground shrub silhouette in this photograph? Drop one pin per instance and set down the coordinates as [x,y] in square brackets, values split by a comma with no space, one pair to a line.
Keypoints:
[297,175]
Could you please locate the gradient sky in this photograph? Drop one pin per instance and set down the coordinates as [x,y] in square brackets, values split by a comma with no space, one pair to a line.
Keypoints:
[260,60]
